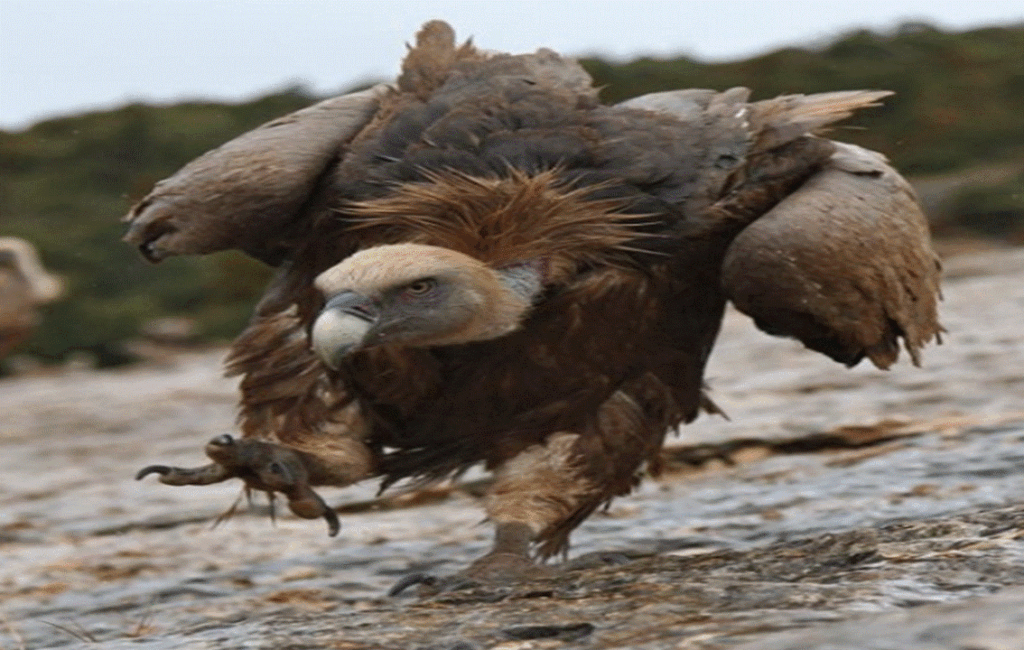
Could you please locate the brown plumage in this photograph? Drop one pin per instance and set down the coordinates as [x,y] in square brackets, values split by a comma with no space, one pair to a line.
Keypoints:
[483,264]
[24,286]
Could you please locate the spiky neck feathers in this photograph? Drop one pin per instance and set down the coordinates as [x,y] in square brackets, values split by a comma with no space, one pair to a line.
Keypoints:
[462,258]
[503,221]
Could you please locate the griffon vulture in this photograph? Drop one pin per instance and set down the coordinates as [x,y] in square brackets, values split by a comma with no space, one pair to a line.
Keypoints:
[24,286]
[483,264]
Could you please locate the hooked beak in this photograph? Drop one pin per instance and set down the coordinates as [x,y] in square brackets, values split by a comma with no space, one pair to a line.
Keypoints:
[342,326]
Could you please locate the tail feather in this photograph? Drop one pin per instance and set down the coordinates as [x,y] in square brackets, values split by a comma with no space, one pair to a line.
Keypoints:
[783,119]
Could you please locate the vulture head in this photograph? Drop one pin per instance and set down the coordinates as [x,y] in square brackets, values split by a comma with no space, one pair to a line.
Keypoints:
[418,295]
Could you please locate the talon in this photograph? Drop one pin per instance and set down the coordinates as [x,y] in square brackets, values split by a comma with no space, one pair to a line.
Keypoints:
[204,475]
[333,525]
[424,579]
[432,585]
[311,506]
[223,440]
[162,470]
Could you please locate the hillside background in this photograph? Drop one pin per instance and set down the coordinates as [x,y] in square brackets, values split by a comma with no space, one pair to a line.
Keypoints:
[955,128]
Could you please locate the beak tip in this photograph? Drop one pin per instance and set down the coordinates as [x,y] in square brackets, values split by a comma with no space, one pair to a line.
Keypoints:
[336,334]
[334,358]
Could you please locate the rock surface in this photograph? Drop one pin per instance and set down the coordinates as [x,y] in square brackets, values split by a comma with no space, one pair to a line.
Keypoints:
[835,510]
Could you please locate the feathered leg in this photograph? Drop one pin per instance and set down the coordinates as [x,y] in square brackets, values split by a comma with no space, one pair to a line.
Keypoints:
[532,492]
[544,492]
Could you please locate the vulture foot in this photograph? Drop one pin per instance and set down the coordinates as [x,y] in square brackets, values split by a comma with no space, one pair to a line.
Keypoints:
[262,466]
[492,570]
[508,563]
[504,569]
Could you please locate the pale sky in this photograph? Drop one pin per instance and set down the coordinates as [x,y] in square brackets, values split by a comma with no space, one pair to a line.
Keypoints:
[64,56]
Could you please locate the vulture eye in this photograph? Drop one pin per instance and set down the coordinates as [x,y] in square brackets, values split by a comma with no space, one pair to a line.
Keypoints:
[420,287]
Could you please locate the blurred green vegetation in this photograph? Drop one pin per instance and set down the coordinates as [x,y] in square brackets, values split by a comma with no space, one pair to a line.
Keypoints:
[959,96]
[66,181]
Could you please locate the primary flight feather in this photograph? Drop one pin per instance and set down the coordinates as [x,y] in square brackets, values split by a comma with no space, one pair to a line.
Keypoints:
[481,263]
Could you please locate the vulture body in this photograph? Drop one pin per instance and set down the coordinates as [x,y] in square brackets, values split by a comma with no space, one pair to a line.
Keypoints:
[483,264]
[24,286]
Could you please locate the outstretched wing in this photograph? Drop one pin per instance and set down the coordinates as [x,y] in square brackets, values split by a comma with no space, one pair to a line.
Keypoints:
[251,192]
[839,258]
[843,264]
[262,191]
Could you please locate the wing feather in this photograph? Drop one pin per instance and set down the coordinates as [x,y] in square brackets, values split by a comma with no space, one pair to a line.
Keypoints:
[843,264]
[247,192]
[782,119]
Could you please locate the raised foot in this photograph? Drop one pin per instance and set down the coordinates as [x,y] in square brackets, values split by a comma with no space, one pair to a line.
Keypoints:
[262,466]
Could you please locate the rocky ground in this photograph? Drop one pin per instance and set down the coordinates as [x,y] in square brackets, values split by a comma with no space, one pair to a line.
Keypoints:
[835,510]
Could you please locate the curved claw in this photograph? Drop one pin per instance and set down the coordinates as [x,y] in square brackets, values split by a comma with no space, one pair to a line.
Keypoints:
[307,504]
[162,470]
[205,475]
[432,585]
[424,579]
[222,440]
[333,525]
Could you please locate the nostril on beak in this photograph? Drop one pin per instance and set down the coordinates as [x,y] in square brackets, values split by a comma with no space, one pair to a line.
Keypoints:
[364,310]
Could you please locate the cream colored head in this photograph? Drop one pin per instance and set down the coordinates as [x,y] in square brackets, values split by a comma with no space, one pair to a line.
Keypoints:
[418,295]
